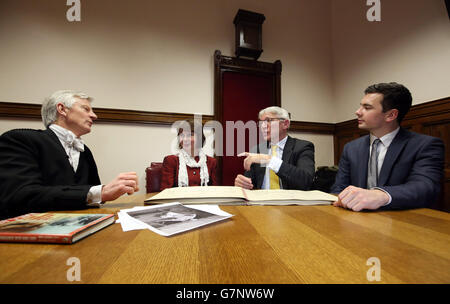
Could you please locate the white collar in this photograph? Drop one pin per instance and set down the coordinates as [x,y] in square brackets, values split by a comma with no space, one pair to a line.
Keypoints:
[281,143]
[67,137]
[386,139]
[61,132]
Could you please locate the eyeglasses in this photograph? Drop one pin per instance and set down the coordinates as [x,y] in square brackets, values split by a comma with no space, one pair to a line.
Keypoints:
[269,120]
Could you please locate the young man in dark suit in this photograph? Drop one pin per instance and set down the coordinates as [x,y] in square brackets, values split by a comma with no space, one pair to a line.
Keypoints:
[52,169]
[280,162]
[391,168]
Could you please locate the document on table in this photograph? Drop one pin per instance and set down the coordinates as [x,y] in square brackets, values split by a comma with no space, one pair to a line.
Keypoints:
[230,195]
[171,218]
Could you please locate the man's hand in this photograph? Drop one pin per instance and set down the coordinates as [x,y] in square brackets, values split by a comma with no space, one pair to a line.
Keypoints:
[251,158]
[243,181]
[358,199]
[123,183]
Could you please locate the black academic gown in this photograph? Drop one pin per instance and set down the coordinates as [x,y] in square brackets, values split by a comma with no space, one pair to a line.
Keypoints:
[36,176]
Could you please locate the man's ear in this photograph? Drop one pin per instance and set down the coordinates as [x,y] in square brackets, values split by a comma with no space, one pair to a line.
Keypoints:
[391,115]
[61,109]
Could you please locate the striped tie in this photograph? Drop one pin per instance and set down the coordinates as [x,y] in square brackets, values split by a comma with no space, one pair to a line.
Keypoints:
[274,179]
[372,176]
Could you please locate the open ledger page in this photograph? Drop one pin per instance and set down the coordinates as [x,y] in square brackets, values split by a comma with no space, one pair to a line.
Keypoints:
[210,194]
[238,196]
[289,197]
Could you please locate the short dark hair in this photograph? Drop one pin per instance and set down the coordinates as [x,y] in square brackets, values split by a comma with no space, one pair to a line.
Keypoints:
[200,141]
[395,96]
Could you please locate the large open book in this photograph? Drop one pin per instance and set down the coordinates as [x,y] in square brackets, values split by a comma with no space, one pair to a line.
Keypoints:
[229,195]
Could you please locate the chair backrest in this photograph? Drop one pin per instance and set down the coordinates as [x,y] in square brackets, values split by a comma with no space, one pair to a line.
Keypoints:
[153,177]
[324,178]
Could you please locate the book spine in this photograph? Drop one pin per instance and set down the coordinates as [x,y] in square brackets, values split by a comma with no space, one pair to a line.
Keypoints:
[36,239]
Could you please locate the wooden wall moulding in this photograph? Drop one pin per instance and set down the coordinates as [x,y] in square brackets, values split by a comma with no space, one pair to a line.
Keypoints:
[312,127]
[20,110]
[223,64]
[33,111]
[240,64]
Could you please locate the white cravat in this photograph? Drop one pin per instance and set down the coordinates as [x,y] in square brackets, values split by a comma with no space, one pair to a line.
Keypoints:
[73,146]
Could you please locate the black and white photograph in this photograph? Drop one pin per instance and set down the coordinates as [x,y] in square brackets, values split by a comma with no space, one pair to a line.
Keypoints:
[169,219]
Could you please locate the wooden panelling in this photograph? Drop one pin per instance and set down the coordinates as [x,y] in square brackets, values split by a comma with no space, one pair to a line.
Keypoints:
[312,127]
[431,118]
[33,111]
[20,110]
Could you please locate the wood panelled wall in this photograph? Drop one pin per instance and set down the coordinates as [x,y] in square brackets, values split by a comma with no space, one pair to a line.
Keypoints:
[33,111]
[431,118]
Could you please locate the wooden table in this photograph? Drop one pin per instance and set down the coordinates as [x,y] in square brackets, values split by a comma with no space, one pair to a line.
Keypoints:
[260,244]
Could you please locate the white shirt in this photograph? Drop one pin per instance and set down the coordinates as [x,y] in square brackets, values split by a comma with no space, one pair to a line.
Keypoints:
[274,163]
[385,142]
[94,195]
[63,136]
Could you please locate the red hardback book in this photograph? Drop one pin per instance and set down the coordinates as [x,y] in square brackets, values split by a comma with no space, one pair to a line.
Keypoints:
[64,228]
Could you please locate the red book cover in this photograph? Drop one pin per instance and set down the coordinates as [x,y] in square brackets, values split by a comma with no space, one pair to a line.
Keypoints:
[65,228]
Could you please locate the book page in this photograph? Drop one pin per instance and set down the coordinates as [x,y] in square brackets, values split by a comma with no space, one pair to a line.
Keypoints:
[199,192]
[289,195]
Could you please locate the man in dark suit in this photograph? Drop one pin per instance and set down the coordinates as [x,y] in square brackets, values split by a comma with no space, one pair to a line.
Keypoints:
[44,170]
[280,162]
[391,168]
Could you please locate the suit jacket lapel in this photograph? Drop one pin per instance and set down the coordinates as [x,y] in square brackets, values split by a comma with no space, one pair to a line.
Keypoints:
[392,154]
[261,170]
[287,153]
[55,138]
[364,162]
[63,153]
[288,148]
